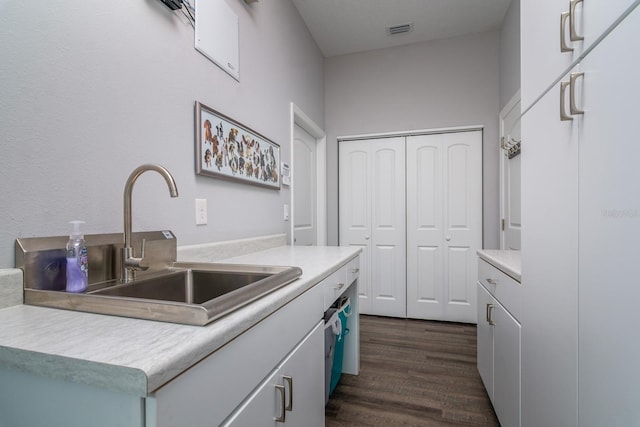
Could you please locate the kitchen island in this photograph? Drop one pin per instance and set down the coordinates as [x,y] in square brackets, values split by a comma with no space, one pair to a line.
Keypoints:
[109,362]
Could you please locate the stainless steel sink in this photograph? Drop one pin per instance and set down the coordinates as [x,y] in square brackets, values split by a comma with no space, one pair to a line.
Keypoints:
[192,294]
[165,290]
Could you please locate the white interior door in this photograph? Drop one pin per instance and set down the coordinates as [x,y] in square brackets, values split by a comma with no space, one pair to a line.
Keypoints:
[511,220]
[388,230]
[425,235]
[304,188]
[372,216]
[444,225]
[354,210]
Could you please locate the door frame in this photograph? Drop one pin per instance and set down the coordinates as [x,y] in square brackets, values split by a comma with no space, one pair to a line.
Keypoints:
[298,117]
[502,162]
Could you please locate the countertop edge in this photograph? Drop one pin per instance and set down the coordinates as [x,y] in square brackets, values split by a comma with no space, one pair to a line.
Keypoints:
[507,261]
[142,376]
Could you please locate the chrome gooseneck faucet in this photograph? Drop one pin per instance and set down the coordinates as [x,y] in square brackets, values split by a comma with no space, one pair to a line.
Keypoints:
[129,262]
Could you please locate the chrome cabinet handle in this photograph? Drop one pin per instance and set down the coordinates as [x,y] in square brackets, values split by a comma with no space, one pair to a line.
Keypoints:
[573,35]
[563,115]
[490,315]
[563,30]
[355,270]
[491,281]
[338,286]
[572,95]
[289,381]
[281,418]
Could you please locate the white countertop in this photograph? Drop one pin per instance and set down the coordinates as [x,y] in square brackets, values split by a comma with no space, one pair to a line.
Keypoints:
[509,262]
[139,356]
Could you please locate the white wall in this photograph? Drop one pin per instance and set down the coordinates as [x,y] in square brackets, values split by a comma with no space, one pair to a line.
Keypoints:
[510,54]
[444,83]
[90,90]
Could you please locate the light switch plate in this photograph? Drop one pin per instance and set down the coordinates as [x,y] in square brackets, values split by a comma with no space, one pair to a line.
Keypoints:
[286,212]
[201,211]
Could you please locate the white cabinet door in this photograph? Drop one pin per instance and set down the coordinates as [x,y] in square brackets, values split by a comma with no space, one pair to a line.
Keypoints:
[298,383]
[499,357]
[549,265]
[485,339]
[506,362]
[542,61]
[444,225]
[610,232]
[372,216]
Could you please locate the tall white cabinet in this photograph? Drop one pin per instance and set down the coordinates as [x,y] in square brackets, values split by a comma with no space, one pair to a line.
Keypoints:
[581,210]
[414,204]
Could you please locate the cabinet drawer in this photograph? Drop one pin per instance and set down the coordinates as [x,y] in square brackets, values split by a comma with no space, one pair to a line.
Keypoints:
[505,289]
[353,270]
[209,391]
[334,286]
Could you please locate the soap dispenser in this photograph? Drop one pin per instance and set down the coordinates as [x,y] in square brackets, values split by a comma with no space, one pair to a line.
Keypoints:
[77,261]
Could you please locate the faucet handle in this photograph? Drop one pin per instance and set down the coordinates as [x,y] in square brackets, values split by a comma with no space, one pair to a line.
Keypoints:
[144,241]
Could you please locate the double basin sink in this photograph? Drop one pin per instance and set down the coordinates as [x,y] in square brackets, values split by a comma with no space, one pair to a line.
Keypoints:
[186,293]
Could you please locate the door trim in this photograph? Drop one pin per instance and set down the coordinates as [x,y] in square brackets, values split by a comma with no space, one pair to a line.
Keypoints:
[298,117]
[411,132]
[501,162]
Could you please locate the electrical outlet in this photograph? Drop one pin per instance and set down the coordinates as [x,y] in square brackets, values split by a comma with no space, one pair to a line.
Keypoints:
[286,212]
[201,211]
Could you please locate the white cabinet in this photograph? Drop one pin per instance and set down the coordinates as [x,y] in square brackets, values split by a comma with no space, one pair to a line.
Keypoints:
[609,208]
[542,61]
[580,209]
[549,265]
[499,342]
[211,390]
[289,396]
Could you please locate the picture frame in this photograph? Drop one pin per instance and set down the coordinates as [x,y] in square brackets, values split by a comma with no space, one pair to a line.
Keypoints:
[227,149]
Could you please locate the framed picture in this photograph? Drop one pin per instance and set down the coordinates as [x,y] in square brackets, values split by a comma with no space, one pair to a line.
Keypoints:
[229,150]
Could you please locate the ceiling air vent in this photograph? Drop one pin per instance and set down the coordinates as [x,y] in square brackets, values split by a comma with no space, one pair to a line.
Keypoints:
[399,29]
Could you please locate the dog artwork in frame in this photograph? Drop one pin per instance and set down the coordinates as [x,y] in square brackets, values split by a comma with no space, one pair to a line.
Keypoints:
[229,150]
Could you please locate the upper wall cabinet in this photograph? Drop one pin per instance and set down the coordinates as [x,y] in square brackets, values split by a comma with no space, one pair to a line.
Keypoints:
[556,33]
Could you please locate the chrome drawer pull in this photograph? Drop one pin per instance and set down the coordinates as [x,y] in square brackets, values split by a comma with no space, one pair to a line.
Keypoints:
[573,35]
[572,95]
[338,286]
[563,31]
[282,416]
[491,281]
[563,115]
[289,381]
[490,315]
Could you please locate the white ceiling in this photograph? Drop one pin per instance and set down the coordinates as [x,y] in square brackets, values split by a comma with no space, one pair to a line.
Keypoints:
[347,26]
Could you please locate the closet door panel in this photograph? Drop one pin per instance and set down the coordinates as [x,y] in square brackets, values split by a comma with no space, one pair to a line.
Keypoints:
[388,278]
[462,202]
[424,227]
[355,210]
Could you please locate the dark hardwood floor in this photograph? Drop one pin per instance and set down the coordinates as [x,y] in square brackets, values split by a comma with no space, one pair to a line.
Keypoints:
[412,373]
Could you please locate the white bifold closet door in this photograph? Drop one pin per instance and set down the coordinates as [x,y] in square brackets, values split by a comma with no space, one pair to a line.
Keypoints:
[444,225]
[372,216]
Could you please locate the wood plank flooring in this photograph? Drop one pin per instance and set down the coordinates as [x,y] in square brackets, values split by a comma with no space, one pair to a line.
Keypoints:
[412,373]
